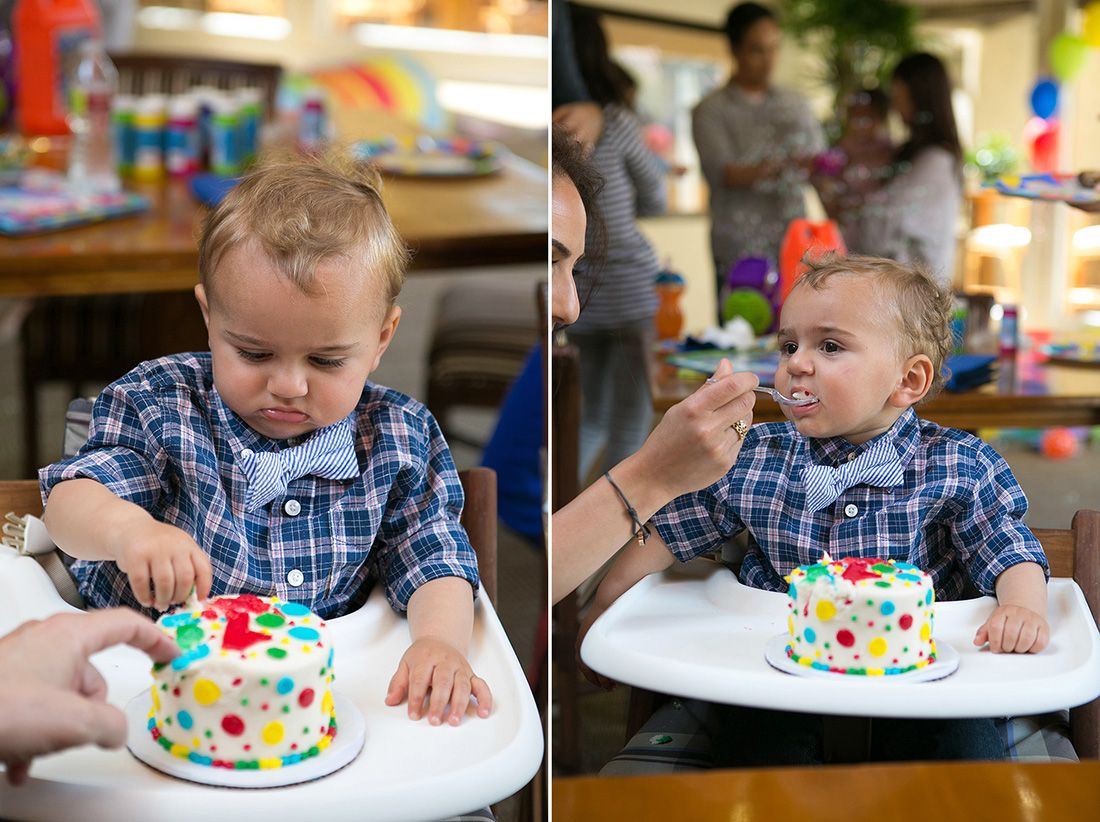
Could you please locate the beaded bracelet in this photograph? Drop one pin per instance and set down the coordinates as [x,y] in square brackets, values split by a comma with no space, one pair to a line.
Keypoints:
[641,530]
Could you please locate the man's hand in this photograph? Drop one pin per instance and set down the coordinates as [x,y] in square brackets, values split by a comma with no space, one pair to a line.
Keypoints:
[1013,629]
[168,556]
[51,697]
[433,665]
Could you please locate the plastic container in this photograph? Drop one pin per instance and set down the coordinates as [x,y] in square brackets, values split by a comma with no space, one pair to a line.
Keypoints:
[670,317]
[1010,331]
[93,163]
[225,120]
[251,102]
[313,127]
[150,119]
[122,123]
[181,141]
[48,35]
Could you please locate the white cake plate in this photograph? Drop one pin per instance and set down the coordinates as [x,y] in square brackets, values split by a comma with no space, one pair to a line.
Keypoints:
[947,662]
[351,733]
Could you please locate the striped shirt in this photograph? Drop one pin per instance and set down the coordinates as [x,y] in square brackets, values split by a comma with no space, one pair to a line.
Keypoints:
[634,184]
[162,438]
[958,513]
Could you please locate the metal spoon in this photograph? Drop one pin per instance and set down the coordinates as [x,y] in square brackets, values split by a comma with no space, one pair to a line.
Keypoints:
[779,398]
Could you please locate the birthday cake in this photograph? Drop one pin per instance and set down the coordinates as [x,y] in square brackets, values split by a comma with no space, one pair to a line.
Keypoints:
[863,617]
[251,688]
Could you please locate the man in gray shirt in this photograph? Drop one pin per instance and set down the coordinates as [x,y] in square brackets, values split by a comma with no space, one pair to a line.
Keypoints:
[756,143]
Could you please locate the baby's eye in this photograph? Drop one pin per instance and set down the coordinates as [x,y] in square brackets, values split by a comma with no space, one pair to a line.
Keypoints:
[787,348]
[324,362]
[830,347]
[252,356]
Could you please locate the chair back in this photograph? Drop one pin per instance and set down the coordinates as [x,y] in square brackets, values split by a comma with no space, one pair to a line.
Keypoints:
[143,73]
[479,518]
[1075,552]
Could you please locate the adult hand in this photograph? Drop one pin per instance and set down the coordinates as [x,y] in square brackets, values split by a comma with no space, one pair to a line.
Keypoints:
[582,120]
[51,697]
[695,444]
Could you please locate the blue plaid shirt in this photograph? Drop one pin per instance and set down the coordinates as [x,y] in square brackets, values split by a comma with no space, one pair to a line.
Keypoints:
[162,438]
[958,513]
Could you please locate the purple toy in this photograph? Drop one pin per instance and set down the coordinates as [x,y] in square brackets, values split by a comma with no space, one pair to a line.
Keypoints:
[748,275]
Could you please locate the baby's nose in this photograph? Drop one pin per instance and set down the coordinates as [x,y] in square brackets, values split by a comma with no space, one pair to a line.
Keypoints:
[288,384]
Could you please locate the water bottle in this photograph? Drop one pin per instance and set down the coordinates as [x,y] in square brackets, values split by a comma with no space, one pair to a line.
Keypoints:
[92,164]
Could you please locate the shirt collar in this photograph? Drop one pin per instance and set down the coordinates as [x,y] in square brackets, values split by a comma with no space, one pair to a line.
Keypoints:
[904,433]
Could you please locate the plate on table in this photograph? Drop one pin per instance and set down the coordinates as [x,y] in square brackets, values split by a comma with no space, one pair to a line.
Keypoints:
[346,745]
[426,156]
[1063,188]
[947,662]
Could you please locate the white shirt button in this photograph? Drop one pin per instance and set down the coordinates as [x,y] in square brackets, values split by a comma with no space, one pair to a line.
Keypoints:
[295,578]
[292,508]
[850,510]
[246,452]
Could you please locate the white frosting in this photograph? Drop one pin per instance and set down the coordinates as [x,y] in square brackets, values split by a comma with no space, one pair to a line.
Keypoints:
[252,685]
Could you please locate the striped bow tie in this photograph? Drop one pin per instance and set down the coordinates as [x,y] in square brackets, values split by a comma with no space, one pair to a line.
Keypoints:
[329,452]
[878,466]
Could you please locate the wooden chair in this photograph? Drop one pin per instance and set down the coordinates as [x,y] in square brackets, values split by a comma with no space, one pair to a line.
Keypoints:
[481,336]
[1072,552]
[147,73]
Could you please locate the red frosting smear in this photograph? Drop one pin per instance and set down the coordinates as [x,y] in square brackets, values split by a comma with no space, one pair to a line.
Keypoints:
[859,568]
[248,603]
[238,636]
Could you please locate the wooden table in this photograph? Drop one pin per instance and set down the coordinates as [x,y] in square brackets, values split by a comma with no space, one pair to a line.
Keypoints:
[449,223]
[918,792]
[1026,394]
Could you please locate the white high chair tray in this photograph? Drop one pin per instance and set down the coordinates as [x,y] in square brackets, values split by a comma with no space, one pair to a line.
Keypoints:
[696,631]
[406,770]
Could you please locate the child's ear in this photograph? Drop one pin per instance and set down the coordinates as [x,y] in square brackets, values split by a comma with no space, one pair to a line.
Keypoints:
[200,295]
[916,379]
[385,337]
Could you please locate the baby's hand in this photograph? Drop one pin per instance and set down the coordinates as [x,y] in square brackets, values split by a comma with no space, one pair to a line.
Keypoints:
[167,555]
[1014,629]
[433,664]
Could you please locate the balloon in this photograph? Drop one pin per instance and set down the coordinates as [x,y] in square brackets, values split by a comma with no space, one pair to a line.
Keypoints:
[1090,25]
[1059,444]
[1044,149]
[1068,53]
[1044,98]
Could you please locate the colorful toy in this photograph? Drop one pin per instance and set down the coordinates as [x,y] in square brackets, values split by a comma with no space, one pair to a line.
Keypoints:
[1059,444]
[752,291]
[805,237]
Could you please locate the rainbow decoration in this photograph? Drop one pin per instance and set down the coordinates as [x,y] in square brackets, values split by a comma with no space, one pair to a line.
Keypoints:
[397,84]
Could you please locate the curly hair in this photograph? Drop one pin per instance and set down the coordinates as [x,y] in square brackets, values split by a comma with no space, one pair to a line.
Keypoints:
[568,161]
[919,305]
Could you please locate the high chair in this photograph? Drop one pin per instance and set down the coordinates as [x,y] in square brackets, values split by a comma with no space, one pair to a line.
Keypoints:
[1072,552]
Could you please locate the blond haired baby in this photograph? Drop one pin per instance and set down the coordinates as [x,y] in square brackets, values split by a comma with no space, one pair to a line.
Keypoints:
[858,473]
[271,465]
